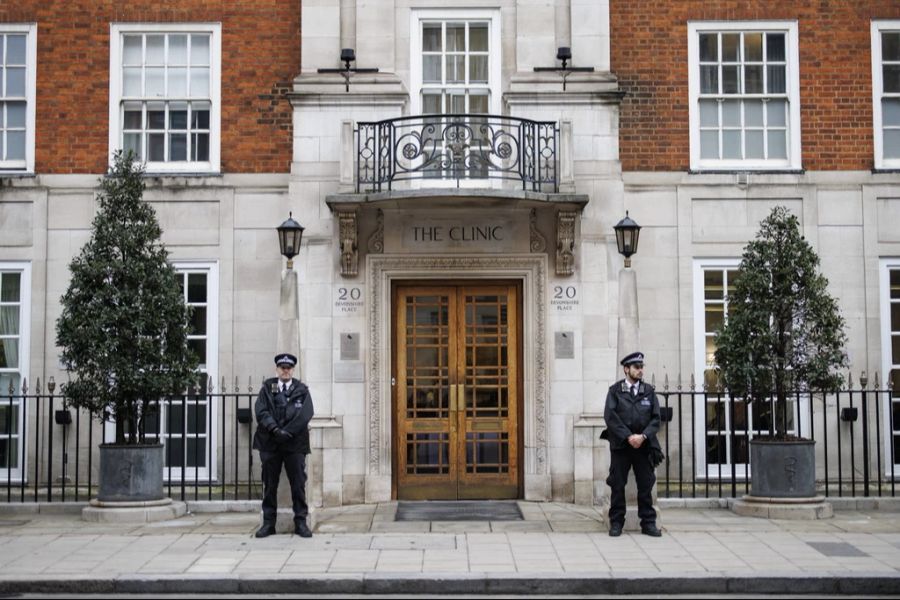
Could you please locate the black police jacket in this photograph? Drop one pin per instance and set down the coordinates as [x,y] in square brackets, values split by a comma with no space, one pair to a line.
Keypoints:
[297,415]
[626,415]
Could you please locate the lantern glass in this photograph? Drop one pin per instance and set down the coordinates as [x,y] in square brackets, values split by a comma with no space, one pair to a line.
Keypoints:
[290,233]
[627,233]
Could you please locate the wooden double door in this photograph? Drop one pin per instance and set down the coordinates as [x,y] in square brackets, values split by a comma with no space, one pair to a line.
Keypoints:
[457,369]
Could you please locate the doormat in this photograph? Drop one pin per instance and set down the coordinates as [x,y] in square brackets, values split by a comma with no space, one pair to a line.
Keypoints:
[458,511]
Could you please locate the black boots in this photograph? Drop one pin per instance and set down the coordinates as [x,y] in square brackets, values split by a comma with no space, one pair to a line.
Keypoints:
[615,530]
[268,529]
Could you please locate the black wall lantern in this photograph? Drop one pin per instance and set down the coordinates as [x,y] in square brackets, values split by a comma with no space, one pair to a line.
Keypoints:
[627,233]
[564,54]
[289,235]
[348,55]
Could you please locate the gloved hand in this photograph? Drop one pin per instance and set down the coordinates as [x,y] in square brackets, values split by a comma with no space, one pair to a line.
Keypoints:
[281,435]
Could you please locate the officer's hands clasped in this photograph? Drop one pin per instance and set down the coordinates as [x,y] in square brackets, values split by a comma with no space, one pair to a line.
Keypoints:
[281,435]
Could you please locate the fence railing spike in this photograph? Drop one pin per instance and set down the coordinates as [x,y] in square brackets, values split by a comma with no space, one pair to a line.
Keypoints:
[666,383]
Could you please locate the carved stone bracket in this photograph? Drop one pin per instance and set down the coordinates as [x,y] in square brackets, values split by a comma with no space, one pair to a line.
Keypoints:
[565,242]
[348,232]
[538,242]
[376,240]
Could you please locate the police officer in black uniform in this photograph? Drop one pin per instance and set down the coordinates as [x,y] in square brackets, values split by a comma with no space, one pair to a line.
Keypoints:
[283,412]
[632,420]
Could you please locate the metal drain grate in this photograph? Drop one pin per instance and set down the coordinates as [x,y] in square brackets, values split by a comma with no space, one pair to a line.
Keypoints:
[458,511]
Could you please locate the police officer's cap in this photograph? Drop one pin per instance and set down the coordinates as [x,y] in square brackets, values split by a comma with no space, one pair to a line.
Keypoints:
[285,360]
[633,358]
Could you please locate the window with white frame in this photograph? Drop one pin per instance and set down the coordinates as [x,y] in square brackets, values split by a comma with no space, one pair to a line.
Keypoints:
[728,423]
[886,93]
[165,95]
[890,352]
[455,70]
[15,286]
[186,425]
[744,95]
[18,58]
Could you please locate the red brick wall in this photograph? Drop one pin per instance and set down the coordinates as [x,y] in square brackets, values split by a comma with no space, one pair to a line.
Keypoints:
[260,58]
[649,55]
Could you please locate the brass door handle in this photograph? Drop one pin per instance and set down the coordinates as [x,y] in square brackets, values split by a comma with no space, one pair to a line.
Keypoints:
[452,415]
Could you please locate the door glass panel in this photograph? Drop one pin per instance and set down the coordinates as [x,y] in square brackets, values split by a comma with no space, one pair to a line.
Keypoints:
[427,453]
[487,452]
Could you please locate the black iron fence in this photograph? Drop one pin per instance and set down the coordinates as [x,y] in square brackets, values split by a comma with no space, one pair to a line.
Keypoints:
[49,450]
[456,147]
[706,433]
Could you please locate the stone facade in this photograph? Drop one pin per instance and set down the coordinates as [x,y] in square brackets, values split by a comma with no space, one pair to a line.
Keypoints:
[289,144]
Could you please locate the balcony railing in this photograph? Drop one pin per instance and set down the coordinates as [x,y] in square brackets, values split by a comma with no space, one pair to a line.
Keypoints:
[457,147]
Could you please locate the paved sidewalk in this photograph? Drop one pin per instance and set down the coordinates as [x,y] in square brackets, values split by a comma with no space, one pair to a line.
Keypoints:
[557,549]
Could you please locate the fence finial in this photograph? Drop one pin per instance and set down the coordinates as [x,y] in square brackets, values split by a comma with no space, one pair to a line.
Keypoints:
[693,383]
[51,384]
[224,387]
[850,380]
[653,380]
[24,385]
[250,384]
[876,382]
[37,386]
[666,383]
[209,385]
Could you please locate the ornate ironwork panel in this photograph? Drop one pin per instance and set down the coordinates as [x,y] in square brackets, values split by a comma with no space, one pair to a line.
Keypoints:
[455,147]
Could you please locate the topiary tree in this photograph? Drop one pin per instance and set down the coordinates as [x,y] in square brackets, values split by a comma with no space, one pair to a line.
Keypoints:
[124,324]
[784,332]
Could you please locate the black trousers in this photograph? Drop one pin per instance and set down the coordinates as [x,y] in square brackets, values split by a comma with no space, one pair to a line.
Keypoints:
[295,466]
[621,462]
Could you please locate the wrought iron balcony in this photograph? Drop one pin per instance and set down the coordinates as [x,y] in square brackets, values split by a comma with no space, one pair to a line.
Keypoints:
[457,147]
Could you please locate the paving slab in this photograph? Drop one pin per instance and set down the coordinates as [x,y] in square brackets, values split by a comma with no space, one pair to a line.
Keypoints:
[556,549]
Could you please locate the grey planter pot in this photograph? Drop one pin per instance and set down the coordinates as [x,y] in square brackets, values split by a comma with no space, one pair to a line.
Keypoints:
[131,473]
[784,469]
